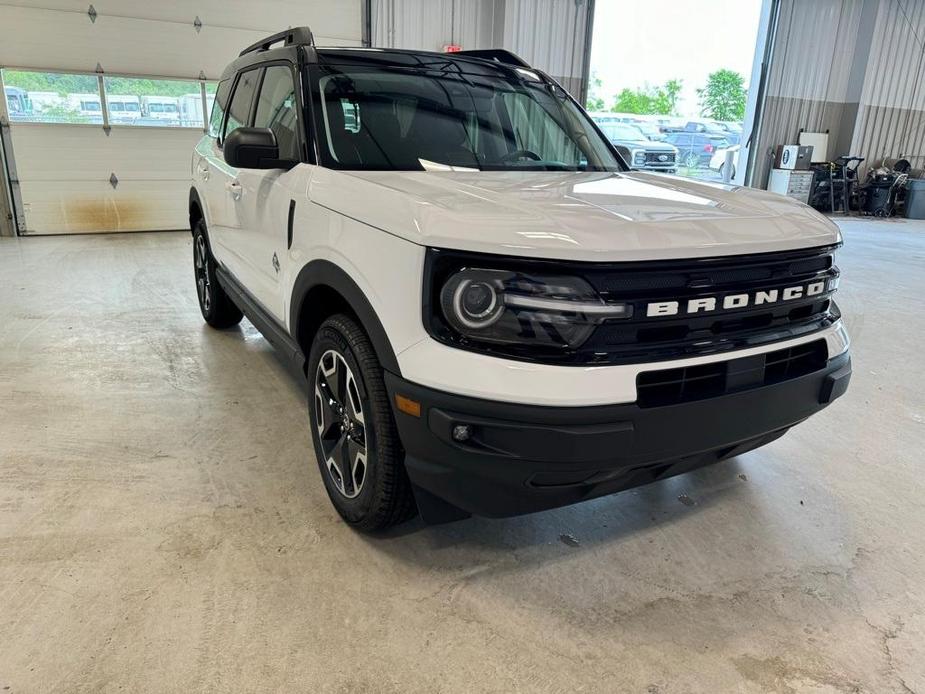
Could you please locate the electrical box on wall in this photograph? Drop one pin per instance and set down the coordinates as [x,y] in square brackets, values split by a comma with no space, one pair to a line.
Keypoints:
[793,157]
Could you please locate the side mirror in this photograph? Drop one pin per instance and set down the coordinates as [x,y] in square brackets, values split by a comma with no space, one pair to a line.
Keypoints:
[252,148]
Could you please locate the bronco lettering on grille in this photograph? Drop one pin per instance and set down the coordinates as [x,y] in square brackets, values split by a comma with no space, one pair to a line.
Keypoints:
[733,301]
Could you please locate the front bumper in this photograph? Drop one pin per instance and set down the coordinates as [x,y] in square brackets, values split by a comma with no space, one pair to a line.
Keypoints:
[669,167]
[524,458]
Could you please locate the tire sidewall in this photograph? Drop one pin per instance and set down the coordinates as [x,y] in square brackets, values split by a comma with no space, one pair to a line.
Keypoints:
[200,230]
[357,509]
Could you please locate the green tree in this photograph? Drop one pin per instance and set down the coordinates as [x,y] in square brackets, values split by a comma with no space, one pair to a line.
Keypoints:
[666,100]
[62,84]
[649,99]
[594,101]
[723,98]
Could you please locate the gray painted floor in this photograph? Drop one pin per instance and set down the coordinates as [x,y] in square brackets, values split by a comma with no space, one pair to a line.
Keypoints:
[163,526]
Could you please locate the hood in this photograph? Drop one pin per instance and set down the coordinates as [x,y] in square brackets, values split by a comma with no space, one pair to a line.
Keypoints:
[575,216]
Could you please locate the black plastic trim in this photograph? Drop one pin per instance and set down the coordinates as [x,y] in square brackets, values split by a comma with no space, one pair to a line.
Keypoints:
[325,273]
[498,55]
[521,458]
[289,221]
[268,326]
[194,199]
[295,36]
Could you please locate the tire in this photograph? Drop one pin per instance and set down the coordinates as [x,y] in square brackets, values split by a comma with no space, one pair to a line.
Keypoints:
[356,442]
[691,160]
[217,308]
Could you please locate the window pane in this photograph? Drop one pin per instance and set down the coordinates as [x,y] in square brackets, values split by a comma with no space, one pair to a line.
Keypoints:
[412,120]
[48,97]
[172,103]
[276,110]
[217,106]
[535,131]
[239,111]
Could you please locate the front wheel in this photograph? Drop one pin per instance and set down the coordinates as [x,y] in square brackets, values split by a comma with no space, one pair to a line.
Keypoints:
[353,430]
[691,160]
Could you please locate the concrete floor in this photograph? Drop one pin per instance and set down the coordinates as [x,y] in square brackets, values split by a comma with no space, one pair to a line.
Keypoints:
[163,526]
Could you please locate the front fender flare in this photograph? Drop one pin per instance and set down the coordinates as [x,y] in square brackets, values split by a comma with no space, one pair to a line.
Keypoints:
[325,273]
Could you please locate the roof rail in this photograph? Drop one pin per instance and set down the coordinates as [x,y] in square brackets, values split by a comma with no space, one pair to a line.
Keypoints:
[498,55]
[295,36]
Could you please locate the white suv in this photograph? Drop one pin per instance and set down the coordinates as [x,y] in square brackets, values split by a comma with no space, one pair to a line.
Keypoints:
[493,314]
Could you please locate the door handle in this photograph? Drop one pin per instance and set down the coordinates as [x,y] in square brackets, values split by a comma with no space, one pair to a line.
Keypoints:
[203,172]
[234,187]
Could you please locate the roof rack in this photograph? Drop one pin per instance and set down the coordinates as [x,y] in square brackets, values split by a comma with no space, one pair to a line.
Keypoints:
[497,55]
[295,36]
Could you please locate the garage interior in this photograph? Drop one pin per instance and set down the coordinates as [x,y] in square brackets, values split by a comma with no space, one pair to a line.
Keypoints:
[164,526]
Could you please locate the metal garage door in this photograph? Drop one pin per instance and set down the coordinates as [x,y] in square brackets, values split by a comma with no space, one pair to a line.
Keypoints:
[104,102]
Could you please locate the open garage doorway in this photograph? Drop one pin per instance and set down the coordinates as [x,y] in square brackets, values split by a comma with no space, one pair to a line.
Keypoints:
[669,83]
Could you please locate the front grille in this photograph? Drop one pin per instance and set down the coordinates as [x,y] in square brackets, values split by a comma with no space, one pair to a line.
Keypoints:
[653,157]
[644,337]
[674,386]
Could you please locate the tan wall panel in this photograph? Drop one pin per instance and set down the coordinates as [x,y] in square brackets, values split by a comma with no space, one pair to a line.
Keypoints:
[94,206]
[64,173]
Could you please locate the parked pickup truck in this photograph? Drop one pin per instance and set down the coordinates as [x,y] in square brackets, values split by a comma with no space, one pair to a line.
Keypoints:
[637,149]
[492,313]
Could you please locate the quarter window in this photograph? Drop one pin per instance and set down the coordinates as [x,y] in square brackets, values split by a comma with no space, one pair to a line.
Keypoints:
[240,109]
[276,110]
[218,107]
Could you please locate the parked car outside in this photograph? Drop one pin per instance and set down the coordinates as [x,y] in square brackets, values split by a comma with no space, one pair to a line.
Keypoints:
[639,151]
[649,129]
[18,104]
[718,160]
[733,131]
[696,149]
[124,109]
[704,126]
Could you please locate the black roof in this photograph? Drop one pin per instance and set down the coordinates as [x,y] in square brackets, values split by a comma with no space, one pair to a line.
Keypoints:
[478,62]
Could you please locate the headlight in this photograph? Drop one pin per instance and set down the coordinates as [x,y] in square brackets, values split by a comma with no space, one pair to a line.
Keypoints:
[639,157]
[519,308]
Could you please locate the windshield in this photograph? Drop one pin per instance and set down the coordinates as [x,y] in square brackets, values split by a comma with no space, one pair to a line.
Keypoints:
[623,131]
[648,129]
[427,120]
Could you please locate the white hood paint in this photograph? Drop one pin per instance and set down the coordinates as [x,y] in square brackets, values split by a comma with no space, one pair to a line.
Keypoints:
[574,216]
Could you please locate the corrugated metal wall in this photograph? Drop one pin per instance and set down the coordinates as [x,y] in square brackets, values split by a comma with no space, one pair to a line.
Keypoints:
[809,74]
[550,34]
[852,67]
[891,117]
[432,24]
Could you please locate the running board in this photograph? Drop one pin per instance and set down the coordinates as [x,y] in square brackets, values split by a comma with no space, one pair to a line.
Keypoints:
[268,326]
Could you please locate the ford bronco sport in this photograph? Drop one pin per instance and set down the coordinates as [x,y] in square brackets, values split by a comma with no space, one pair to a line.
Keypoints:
[494,315]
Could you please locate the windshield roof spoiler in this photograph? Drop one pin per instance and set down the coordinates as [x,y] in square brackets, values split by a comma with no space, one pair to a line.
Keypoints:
[497,55]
